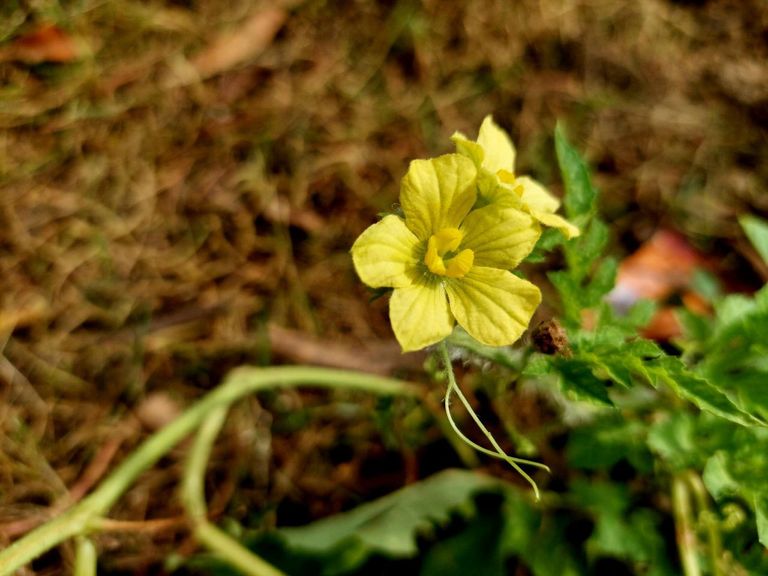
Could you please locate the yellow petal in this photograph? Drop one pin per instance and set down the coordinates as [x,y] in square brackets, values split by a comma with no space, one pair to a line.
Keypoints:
[536,196]
[493,306]
[497,145]
[527,194]
[420,314]
[385,254]
[499,237]
[568,230]
[438,193]
[468,148]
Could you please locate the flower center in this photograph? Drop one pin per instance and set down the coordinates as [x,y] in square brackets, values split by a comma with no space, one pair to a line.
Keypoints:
[442,257]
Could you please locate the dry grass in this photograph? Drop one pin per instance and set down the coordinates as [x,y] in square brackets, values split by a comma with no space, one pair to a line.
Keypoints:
[191,172]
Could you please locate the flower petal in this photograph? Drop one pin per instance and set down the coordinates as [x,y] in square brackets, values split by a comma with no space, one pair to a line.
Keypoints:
[438,193]
[536,196]
[385,254]
[493,306]
[420,314]
[499,237]
[468,148]
[498,147]
[566,228]
[527,194]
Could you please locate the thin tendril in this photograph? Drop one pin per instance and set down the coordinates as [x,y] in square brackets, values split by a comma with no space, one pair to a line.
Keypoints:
[499,453]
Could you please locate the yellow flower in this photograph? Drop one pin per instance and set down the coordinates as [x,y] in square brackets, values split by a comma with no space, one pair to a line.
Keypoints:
[494,157]
[448,263]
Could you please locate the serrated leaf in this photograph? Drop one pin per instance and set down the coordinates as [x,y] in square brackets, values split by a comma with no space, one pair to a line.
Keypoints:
[580,195]
[476,550]
[640,314]
[577,377]
[756,230]
[390,525]
[603,281]
[583,252]
[619,369]
[538,365]
[698,390]
[570,296]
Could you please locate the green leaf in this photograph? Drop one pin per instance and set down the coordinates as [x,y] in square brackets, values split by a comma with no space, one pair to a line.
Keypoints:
[577,378]
[756,230]
[389,525]
[698,390]
[476,550]
[761,516]
[570,296]
[620,531]
[538,365]
[718,479]
[602,281]
[674,439]
[580,195]
[600,445]
[739,469]
[582,252]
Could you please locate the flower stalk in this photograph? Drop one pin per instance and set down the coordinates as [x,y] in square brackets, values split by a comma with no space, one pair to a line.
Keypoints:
[497,452]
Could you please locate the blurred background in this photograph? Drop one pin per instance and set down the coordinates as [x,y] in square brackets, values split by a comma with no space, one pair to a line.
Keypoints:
[180,184]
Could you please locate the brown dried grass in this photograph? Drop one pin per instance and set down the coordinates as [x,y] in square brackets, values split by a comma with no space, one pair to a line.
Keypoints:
[156,213]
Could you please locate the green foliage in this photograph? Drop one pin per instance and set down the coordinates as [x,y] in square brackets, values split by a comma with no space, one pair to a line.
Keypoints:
[389,526]
[580,195]
[756,230]
[637,419]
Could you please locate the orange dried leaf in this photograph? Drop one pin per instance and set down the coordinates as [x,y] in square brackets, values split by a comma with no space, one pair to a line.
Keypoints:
[47,43]
[660,268]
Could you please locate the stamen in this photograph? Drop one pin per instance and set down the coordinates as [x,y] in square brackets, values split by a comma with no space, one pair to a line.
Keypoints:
[440,258]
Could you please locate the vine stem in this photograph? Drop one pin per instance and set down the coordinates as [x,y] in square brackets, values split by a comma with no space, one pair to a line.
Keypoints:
[709,520]
[193,498]
[498,453]
[684,528]
[83,517]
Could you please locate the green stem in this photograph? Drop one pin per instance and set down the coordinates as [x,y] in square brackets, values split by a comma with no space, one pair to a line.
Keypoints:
[86,558]
[193,479]
[499,453]
[684,529]
[82,517]
[709,520]
[233,553]
[193,498]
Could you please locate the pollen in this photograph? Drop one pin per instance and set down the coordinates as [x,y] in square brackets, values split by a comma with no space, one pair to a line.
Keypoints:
[442,257]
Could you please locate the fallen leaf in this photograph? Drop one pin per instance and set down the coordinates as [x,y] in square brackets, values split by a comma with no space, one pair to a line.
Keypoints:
[46,43]
[662,267]
[237,46]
